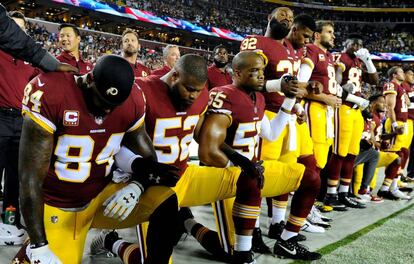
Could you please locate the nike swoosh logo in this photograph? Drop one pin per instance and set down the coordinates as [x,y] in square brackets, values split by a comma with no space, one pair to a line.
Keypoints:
[292,252]
[39,83]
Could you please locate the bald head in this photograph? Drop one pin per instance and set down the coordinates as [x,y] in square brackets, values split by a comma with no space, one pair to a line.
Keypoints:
[243,59]
[192,65]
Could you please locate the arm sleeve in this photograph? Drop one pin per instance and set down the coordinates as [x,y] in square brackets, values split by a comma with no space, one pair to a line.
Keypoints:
[18,44]
[270,130]
[305,72]
[124,159]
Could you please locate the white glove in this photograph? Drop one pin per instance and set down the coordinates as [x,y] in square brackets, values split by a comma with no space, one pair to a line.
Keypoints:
[363,54]
[42,255]
[121,203]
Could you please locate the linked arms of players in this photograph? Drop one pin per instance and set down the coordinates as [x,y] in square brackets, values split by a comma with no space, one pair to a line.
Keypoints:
[35,151]
[344,93]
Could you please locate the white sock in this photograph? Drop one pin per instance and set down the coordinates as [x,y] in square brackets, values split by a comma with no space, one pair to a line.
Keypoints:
[394,184]
[384,188]
[343,188]
[117,245]
[243,243]
[331,190]
[278,215]
[189,224]
[257,225]
[287,234]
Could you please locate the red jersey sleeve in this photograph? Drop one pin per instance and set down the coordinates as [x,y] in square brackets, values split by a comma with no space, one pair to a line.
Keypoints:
[389,88]
[42,100]
[311,56]
[220,101]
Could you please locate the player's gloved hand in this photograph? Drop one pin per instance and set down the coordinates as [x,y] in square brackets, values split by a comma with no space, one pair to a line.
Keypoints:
[42,255]
[253,169]
[301,117]
[363,54]
[149,172]
[121,203]
[292,88]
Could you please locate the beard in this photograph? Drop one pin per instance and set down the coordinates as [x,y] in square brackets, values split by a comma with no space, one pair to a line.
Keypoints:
[179,103]
[219,64]
[277,29]
[326,44]
[130,51]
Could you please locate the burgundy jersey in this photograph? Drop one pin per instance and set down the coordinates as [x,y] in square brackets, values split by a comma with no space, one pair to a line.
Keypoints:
[281,60]
[246,113]
[409,89]
[82,65]
[15,74]
[352,73]
[170,129]
[140,70]
[217,78]
[378,126]
[162,71]
[401,109]
[323,67]
[84,146]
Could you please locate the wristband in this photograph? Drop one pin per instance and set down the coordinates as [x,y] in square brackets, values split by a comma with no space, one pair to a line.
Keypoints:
[299,108]
[288,103]
[273,86]
[394,124]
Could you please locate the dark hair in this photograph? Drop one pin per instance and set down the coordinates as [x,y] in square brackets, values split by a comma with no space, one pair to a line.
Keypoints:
[392,71]
[18,14]
[304,20]
[74,27]
[375,97]
[322,23]
[193,65]
[130,31]
[220,46]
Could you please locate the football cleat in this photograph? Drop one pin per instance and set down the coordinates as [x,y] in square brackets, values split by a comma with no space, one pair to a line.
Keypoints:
[292,249]
[10,235]
[243,257]
[387,195]
[332,200]
[400,195]
[322,207]
[103,242]
[183,214]
[349,201]
[258,245]
[311,228]
[275,230]
[315,219]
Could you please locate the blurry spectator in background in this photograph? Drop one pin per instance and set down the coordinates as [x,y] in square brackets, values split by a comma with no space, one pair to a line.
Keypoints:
[130,49]
[170,54]
[69,40]
[15,74]
[218,74]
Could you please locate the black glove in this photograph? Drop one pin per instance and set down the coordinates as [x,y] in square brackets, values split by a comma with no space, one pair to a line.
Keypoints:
[253,169]
[366,113]
[149,172]
[411,99]
[285,85]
